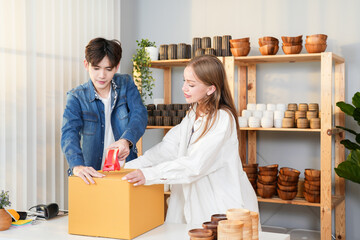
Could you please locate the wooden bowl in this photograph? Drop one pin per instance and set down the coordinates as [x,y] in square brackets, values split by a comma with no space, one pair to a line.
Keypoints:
[315,183]
[292,44]
[203,238]
[315,192]
[287,188]
[296,49]
[315,48]
[289,171]
[264,42]
[240,44]
[250,165]
[269,167]
[218,217]
[268,172]
[267,183]
[296,39]
[269,49]
[200,232]
[267,178]
[322,36]
[315,40]
[250,170]
[268,38]
[310,178]
[287,178]
[308,186]
[312,172]
[313,198]
[286,195]
[252,175]
[267,191]
[247,39]
[240,52]
[287,183]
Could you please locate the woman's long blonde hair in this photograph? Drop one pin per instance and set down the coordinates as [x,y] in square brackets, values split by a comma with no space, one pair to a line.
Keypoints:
[210,71]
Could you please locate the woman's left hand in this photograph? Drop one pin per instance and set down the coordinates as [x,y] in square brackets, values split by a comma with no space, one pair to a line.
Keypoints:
[137,177]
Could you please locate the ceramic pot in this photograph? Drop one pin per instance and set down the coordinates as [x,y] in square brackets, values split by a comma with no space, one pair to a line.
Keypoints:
[153,53]
[5,220]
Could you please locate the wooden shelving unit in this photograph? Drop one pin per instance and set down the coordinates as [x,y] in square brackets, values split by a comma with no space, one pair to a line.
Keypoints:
[330,94]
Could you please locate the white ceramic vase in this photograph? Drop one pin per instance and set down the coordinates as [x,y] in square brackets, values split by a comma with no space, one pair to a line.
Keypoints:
[153,53]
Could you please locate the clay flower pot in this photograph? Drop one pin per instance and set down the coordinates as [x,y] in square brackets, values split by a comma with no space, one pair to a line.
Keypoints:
[5,220]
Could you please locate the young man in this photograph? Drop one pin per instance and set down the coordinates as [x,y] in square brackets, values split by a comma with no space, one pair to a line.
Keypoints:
[106,112]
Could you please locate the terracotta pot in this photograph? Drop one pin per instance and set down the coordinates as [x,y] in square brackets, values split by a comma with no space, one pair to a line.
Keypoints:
[5,220]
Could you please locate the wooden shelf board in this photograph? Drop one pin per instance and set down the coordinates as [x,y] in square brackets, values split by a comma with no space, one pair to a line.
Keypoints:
[281,129]
[159,127]
[169,63]
[296,201]
[308,57]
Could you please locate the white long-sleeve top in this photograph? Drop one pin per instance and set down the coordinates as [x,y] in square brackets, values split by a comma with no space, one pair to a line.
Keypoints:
[206,176]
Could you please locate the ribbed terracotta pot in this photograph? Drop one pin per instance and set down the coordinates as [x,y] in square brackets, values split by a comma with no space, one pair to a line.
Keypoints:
[5,220]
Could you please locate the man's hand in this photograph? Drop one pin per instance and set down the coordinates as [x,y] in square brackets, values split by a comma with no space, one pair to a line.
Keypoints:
[123,146]
[137,177]
[87,173]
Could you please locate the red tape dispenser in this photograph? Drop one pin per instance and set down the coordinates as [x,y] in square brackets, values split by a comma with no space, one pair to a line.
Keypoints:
[111,160]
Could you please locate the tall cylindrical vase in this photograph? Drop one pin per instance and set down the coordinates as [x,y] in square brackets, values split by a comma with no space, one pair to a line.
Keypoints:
[5,220]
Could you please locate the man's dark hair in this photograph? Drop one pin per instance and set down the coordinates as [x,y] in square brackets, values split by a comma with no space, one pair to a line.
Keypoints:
[98,48]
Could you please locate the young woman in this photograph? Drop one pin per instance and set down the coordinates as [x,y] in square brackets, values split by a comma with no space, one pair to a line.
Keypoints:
[200,156]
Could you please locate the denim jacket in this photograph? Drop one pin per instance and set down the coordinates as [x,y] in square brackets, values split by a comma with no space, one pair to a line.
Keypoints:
[82,138]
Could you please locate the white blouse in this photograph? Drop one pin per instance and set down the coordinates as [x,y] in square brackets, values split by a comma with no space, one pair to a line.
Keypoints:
[206,176]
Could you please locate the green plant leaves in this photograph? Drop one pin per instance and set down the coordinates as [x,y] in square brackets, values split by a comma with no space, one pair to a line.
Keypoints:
[141,70]
[346,108]
[349,144]
[350,169]
[356,100]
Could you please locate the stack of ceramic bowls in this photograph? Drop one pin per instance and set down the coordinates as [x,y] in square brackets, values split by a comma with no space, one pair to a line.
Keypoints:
[230,229]
[240,47]
[254,122]
[268,45]
[287,183]
[278,117]
[292,45]
[240,214]
[316,43]
[252,173]
[267,178]
[243,122]
[200,233]
[312,185]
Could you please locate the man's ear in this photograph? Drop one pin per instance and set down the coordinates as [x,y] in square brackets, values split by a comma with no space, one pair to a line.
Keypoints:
[86,64]
[211,90]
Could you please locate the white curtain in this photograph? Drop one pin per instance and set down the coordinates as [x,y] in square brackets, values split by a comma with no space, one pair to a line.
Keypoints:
[42,46]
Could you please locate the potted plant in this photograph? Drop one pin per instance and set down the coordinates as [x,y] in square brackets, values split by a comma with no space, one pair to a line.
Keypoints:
[5,218]
[141,71]
[350,169]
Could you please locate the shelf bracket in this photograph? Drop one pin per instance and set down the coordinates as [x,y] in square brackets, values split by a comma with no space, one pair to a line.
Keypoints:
[334,131]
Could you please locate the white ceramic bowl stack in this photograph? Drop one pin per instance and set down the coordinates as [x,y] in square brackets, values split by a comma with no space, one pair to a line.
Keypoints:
[267,122]
[257,113]
[254,122]
[261,107]
[281,107]
[271,107]
[278,117]
[246,113]
[243,122]
[251,106]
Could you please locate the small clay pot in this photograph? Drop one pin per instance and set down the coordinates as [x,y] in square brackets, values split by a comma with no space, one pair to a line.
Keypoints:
[159,121]
[167,121]
[156,113]
[176,120]
[151,107]
[151,120]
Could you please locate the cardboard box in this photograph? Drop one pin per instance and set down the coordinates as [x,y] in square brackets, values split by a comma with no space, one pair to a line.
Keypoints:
[113,207]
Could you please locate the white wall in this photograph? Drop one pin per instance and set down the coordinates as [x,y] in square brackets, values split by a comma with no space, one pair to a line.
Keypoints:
[179,21]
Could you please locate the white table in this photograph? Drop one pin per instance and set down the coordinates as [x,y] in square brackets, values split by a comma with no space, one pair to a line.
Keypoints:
[57,229]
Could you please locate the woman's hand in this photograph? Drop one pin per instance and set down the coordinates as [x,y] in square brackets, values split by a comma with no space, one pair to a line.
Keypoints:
[86,173]
[137,177]
[123,146]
